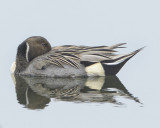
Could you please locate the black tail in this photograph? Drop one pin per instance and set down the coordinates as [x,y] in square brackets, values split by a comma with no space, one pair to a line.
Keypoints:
[112,67]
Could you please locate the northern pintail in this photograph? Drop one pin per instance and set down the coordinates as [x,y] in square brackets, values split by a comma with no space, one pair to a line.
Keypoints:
[36,57]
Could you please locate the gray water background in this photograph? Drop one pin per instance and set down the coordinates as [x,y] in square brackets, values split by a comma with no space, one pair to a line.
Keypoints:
[85,22]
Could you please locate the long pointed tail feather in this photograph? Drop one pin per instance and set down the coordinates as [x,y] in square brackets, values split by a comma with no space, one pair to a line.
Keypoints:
[112,67]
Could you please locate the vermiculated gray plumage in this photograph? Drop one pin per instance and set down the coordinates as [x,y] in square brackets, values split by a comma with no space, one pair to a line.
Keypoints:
[39,59]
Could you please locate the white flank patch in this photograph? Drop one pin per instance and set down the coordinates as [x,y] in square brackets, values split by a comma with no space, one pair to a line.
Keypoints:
[13,67]
[27,51]
[95,70]
[95,83]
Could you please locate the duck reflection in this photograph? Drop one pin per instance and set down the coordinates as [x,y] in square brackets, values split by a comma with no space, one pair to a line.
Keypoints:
[27,97]
[36,92]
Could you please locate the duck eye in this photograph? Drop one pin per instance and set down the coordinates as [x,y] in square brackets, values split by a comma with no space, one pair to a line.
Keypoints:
[44,44]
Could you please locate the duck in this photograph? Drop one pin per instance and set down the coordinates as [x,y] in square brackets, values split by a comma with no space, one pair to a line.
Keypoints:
[36,57]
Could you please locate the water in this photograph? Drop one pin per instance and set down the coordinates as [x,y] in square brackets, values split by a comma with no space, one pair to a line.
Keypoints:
[130,99]
[38,92]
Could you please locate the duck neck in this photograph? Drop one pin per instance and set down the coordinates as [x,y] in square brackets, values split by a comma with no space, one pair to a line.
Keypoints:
[21,64]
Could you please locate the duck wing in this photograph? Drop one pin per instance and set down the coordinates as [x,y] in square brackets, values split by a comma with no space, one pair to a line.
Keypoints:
[97,61]
[94,53]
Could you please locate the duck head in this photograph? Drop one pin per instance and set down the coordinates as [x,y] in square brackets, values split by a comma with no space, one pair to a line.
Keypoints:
[30,49]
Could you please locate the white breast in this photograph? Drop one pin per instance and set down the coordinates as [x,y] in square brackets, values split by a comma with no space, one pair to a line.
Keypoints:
[13,67]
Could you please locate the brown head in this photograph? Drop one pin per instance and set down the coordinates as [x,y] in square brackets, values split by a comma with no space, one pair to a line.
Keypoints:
[29,49]
[33,47]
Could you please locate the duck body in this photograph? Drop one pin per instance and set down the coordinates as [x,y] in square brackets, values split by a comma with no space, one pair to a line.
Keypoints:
[40,68]
[35,57]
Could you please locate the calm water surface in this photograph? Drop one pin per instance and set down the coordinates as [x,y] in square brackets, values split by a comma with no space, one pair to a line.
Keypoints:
[129,100]
[38,92]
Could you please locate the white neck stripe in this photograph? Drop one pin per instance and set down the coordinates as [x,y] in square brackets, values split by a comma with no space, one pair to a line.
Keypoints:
[27,51]
[27,99]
